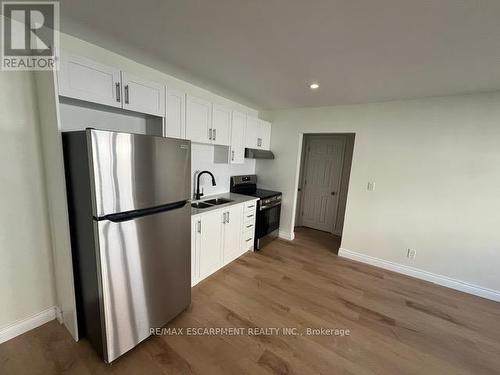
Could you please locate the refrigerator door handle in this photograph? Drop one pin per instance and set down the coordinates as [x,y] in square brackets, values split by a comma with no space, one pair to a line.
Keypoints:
[130,215]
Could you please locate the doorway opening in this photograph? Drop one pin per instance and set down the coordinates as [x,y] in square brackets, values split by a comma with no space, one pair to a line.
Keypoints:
[325,170]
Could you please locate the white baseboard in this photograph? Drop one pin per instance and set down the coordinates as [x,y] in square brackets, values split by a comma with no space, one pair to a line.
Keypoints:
[24,325]
[59,314]
[286,235]
[423,275]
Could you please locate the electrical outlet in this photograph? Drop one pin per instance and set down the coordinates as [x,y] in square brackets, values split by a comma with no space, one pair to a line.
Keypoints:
[411,253]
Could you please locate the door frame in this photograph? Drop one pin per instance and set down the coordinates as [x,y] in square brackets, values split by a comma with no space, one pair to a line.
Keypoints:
[343,185]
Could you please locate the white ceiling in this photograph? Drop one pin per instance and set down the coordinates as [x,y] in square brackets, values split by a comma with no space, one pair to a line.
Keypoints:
[266,52]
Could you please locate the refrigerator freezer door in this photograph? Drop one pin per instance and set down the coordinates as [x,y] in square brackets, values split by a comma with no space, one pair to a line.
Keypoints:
[132,171]
[146,275]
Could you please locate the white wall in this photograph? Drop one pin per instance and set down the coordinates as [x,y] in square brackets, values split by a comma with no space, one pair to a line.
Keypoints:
[26,272]
[56,195]
[436,164]
[202,157]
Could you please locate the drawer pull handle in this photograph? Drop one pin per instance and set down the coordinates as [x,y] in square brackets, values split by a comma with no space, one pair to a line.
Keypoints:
[250,216]
[249,226]
[250,239]
[252,206]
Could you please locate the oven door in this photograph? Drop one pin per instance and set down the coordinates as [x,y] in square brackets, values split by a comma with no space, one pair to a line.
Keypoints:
[268,220]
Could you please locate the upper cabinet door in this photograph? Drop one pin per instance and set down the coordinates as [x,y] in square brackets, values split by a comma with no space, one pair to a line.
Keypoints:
[198,120]
[176,113]
[84,79]
[143,96]
[265,135]
[237,151]
[252,132]
[221,125]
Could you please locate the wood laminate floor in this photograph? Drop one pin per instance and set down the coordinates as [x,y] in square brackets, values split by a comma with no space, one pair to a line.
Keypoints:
[398,325]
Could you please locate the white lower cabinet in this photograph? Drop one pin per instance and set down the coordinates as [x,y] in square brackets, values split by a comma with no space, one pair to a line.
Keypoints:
[210,231]
[217,238]
[232,233]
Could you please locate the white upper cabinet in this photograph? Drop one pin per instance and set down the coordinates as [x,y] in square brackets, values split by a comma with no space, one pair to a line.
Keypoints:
[221,125]
[176,113]
[237,149]
[84,79]
[143,96]
[252,132]
[258,134]
[198,119]
[264,135]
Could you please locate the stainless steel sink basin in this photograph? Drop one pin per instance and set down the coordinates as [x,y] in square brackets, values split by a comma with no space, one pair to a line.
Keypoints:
[200,205]
[217,201]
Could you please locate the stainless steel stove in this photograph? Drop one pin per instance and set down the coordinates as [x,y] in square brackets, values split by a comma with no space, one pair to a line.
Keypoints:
[268,208]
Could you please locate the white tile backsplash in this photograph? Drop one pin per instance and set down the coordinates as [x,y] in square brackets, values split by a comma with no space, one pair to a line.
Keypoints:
[202,159]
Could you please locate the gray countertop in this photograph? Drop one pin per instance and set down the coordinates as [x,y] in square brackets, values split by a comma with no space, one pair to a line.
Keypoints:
[235,198]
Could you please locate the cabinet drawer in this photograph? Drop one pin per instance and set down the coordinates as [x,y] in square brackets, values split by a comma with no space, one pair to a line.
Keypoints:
[249,226]
[247,241]
[250,206]
[248,216]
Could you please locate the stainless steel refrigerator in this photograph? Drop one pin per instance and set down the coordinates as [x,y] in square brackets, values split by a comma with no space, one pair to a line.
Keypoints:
[130,222]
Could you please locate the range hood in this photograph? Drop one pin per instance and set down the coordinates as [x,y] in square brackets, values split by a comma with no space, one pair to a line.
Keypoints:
[255,153]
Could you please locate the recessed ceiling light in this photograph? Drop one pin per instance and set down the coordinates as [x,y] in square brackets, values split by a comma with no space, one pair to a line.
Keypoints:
[314,86]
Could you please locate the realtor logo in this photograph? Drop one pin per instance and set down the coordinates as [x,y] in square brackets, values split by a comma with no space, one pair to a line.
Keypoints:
[30,35]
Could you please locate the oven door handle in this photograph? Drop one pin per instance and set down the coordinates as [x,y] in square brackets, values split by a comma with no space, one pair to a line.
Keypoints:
[263,208]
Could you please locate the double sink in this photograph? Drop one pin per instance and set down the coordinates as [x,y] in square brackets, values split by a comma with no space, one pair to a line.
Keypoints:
[210,203]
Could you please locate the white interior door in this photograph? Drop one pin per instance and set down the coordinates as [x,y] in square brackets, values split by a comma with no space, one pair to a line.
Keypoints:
[84,79]
[232,233]
[221,125]
[198,119]
[176,113]
[238,138]
[210,256]
[321,184]
[143,96]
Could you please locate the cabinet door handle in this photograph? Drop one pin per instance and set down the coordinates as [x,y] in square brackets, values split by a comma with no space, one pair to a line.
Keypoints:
[126,95]
[250,216]
[249,226]
[252,206]
[232,155]
[199,226]
[210,134]
[227,217]
[215,134]
[224,218]
[118,96]
[250,239]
